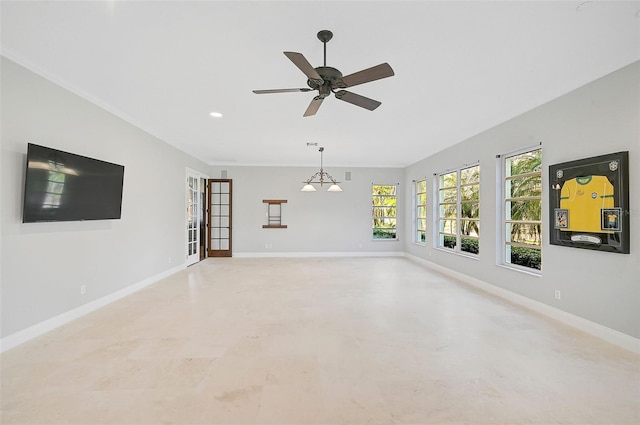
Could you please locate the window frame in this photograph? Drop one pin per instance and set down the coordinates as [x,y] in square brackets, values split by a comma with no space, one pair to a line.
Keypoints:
[417,218]
[504,175]
[384,217]
[443,203]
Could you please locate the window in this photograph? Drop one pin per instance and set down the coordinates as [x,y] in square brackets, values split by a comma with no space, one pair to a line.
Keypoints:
[522,199]
[384,211]
[420,229]
[459,210]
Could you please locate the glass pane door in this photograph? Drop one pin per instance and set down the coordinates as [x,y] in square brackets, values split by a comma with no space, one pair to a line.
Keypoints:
[220,193]
[193,219]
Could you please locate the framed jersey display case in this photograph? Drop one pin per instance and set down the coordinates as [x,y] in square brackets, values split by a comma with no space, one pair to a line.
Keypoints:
[589,203]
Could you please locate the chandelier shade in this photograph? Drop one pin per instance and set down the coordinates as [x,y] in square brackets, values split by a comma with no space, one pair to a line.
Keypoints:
[321,178]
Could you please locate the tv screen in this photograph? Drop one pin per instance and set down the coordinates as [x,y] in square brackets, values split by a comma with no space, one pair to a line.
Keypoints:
[61,186]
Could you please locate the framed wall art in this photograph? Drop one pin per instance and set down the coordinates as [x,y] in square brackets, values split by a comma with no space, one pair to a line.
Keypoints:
[589,203]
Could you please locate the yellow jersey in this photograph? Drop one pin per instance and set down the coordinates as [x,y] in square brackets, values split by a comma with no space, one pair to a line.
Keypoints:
[584,198]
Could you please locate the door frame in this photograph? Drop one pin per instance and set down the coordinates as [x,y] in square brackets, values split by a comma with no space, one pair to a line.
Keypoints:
[220,252]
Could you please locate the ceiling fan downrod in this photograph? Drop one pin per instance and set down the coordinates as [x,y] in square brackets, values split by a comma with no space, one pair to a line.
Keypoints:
[325,36]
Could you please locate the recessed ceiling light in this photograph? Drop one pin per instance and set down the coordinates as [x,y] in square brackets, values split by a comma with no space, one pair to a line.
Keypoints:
[216,114]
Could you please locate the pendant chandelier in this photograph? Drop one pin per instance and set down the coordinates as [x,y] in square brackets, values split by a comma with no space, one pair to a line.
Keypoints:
[322,178]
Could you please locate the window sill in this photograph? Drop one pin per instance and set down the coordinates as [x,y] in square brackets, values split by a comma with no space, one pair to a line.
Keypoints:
[532,272]
[458,253]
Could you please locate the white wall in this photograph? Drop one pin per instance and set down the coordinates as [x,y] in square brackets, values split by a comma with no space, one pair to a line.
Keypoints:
[599,118]
[44,264]
[318,222]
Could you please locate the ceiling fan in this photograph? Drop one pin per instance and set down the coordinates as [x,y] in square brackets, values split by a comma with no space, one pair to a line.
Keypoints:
[329,80]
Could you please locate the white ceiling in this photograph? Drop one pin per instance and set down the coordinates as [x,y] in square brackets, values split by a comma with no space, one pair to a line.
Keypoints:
[460,68]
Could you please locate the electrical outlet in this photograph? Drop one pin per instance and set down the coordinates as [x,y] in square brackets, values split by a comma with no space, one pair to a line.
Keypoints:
[83,289]
[557,294]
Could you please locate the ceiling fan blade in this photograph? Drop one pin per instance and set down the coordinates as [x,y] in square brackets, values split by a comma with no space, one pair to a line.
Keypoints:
[281,90]
[301,62]
[366,75]
[313,106]
[356,99]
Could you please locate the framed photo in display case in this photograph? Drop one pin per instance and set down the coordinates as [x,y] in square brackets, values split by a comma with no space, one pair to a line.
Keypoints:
[589,203]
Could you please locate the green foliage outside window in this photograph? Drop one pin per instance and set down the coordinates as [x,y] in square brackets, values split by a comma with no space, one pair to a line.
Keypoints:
[459,209]
[523,209]
[526,257]
[384,211]
[469,245]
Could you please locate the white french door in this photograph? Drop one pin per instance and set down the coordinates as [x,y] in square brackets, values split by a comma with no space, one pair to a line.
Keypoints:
[194,217]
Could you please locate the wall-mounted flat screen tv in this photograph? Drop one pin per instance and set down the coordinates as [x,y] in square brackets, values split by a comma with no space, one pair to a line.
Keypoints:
[61,186]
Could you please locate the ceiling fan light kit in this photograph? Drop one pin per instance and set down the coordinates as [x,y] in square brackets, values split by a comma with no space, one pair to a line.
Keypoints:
[321,178]
[327,80]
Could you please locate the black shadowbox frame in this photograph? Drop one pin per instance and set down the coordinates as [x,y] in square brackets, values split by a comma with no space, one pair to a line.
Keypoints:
[589,203]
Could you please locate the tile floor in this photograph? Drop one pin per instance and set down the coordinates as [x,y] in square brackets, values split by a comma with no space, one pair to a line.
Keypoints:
[317,341]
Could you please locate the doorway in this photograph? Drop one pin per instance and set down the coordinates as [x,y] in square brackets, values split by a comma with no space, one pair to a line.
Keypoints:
[220,193]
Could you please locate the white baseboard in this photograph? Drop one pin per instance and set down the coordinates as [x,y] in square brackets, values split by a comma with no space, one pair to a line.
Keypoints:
[610,335]
[315,254]
[41,328]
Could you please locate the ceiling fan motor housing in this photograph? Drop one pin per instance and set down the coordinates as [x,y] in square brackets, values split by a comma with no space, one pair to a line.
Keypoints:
[332,79]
